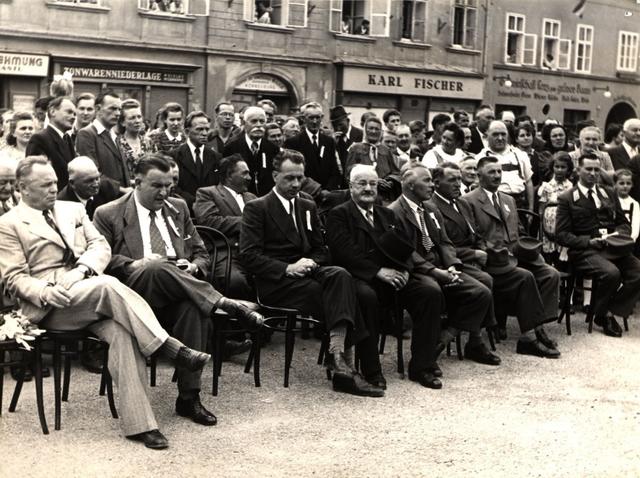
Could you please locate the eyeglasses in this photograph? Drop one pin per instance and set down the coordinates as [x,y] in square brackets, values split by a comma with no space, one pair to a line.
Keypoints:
[226,115]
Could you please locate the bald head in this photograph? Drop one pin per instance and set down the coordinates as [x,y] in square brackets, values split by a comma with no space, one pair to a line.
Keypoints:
[631,130]
[497,136]
[84,177]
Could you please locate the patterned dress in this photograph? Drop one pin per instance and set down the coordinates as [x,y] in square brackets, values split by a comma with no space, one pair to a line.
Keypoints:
[129,155]
[548,194]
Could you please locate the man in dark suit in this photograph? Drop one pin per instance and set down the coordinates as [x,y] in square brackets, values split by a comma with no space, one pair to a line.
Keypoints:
[319,150]
[281,243]
[586,215]
[52,141]
[621,155]
[356,230]
[86,186]
[484,117]
[345,133]
[495,220]
[157,251]
[220,207]
[256,151]
[98,140]
[469,300]
[198,163]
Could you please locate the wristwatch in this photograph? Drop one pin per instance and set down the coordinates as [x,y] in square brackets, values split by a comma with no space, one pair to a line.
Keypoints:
[84,269]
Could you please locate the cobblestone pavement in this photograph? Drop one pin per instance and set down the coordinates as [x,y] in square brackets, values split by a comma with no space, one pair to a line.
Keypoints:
[574,417]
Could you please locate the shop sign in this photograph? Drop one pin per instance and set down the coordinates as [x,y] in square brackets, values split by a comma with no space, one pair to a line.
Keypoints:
[543,90]
[261,82]
[23,64]
[108,73]
[410,83]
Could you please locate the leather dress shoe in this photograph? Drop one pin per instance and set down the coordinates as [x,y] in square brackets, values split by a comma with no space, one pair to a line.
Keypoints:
[234,347]
[536,348]
[436,370]
[355,384]
[542,336]
[481,354]
[151,439]
[609,326]
[377,380]
[191,359]
[242,310]
[193,409]
[426,379]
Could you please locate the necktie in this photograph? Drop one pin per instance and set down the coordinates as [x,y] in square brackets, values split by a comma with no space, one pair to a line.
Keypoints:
[69,141]
[292,214]
[369,216]
[315,141]
[158,245]
[254,148]
[496,204]
[198,163]
[69,256]
[427,243]
[592,200]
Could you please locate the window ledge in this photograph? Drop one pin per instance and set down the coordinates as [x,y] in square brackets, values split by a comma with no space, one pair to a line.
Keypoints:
[356,38]
[627,75]
[268,27]
[463,51]
[82,7]
[411,44]
[172,17]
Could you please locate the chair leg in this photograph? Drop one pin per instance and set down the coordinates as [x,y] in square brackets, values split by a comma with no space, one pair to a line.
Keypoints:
[174,377]
[154,370]
[38,381]
[323,350]
[492,342]
[66,378]
[459,346]
[256,358]
[16,391]
[103,377]
[626,323]
[590,318]
[383,340]
[56,383]
[449,349]
[289,344]
[2,382]
[249,362]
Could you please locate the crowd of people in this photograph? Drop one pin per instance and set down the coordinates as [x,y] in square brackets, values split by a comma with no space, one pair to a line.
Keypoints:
[341,223]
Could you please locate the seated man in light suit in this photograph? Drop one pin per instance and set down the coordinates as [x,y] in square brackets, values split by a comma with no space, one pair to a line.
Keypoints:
[220,207]
[52,259]
[159,254]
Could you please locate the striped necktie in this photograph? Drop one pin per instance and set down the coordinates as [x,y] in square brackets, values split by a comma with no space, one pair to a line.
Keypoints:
[427,243]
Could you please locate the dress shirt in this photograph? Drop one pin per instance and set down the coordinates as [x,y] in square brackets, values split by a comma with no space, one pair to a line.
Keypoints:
[60,133]
[238,197]
[192,148]
[286,204]
[585,190]
[631,151]
[446,200]
[414,208]
[250,141]
[515,177]
[490,195]
[364,212]
[630,205]
[100,128]
[317,135]
[145,221]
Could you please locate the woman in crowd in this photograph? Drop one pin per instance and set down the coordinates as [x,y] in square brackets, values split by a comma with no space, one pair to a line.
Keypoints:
[21,128]
[449,149]
[291,127]
[613,136]
[5,119]
[524,135]
[130,129]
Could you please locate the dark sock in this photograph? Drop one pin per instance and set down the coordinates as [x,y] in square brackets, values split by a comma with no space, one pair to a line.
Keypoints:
[337,336]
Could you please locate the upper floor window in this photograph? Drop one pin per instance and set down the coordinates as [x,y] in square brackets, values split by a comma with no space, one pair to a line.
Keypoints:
[556,52]
[464,20]
[360,17]
[285,13]
[520,47]
[627,51]
[584,48]
[414,20]
[175,7]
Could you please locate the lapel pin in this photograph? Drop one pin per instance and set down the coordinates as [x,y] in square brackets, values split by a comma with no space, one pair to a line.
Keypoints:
[308,214]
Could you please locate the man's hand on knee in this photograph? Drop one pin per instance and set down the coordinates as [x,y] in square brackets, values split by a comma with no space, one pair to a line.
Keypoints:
[70,277]
[57,296]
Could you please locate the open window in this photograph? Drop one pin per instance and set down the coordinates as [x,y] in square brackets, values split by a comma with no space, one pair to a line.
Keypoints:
[286,13]
[555,51]
[520,47]
[360,17]
[464,19]
[414,20]
[175,7]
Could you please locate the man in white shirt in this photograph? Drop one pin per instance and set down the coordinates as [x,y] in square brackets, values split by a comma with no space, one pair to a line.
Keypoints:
[516,167]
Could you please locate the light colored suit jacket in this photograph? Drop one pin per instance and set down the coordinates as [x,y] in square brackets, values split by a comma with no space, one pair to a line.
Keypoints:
[489,225]
[32,252]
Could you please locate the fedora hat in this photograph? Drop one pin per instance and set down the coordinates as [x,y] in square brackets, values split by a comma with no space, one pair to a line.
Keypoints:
[618,246]
[527,250]
[396,250]
[337,113]
[500,260]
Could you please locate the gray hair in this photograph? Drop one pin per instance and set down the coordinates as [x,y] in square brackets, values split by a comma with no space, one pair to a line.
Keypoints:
[253,110]
[26,165]
[81,164]
[359,169]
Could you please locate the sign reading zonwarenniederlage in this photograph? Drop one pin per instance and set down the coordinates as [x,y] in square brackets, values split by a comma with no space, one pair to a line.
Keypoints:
[110,73]
[23,64]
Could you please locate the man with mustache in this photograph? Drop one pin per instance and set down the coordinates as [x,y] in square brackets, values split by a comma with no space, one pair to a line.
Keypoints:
[255,150]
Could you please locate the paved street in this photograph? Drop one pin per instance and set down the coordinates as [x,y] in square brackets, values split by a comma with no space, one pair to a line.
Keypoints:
[575,417]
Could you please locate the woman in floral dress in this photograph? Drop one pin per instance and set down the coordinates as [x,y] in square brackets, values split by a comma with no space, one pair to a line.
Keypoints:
[131,140]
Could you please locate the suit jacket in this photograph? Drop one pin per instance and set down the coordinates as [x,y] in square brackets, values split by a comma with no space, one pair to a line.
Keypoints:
[443,254]
[189,181]
[489,225]
[118,222]
[476,140]
[105,153]
[260,166]
[49,143]
[619,157]
[577,219]
[634,167]
[215,207]
[356,135]
[269,241]
[321,164]
[354,243]
[108,192]
[459,226]
[32,252]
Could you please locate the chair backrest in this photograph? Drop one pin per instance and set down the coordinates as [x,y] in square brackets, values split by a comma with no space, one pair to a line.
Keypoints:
[530,223]
[215,241]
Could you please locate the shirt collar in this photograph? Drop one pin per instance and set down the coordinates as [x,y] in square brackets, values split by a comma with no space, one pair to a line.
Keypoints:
[141,209]
[442,197]
[285,202]
[310,134]
[193,148]
[585,190]
[60,133]
[250,141]
[173,138]
[362,210]
[98,126]
[489,194]
[234,193]
[631,151]
[414,207]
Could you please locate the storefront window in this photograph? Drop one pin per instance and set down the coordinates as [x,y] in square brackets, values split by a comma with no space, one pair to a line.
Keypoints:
[584,48]
[360,17]
[464,23]
[520,47]
[285,13]
[414,16]
[175,7]
[627,51]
